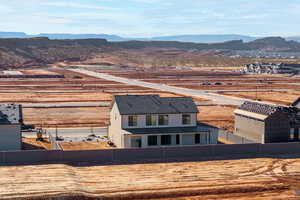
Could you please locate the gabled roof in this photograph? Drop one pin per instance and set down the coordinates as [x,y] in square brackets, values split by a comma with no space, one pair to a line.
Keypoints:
[259,108]
[154,104]
[250,114]
[10,114]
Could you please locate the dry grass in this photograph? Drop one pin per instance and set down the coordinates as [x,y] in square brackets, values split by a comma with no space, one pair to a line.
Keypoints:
[249,179]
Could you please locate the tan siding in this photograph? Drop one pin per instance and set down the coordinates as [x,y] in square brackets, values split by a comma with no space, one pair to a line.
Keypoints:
[250,128]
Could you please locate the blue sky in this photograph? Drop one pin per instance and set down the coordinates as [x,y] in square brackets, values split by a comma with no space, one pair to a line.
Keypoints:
[145,18]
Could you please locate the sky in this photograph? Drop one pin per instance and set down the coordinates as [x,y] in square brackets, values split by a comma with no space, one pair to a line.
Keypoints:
[148,18]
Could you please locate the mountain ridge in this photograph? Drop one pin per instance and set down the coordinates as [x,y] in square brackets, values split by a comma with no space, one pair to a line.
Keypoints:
[17,52]
[196,38]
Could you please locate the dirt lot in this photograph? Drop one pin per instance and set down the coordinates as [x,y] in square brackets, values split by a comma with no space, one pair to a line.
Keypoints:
[66,146]
[41,97]
[79,88]
[67,117]
[220,116]
[284,97]
[32,144]
[249,179]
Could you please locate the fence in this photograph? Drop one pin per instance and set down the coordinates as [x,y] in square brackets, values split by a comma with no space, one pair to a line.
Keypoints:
[233,139]
[54,143]
[166,154]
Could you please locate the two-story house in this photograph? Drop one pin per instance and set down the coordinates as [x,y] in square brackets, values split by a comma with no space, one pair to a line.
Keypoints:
[153,121]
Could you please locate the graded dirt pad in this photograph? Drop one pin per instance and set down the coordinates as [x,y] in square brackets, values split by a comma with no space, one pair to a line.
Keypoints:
[283,97]
[67,146]
[32,144]
[67,117]
[54,97]
[248,179]
[220,116]
[38,72]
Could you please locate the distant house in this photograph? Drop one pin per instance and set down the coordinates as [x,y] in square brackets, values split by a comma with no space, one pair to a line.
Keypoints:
[10,127]
[262,123]
[152,121]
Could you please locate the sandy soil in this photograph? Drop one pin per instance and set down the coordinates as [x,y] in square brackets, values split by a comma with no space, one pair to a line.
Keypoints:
[284,97]
[32,144]
[67,117]
[36,97]
[249,179]
[221,116]
[66,146]
[38,72]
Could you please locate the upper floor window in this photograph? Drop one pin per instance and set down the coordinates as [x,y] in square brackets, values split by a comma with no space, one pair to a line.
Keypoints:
[132,120]
[186,119]
[151,120]
[163,120]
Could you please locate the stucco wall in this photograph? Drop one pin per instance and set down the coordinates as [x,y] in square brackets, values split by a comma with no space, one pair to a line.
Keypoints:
[166,154]
[10,137]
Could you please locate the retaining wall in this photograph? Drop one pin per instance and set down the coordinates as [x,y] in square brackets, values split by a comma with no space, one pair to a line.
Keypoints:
[192,153]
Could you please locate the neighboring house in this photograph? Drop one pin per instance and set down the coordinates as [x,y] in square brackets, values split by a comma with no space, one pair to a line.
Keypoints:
[262,123]
[151,120]
[10,127]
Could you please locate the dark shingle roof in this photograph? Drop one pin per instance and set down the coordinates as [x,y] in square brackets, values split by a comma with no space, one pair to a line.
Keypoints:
[263,109]
[10,114]
[154,104]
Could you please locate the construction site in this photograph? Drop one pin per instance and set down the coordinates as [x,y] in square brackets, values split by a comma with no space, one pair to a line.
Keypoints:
[77,100]
[75,107]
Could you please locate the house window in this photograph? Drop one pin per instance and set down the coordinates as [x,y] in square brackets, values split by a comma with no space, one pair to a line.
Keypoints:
[165,139]
[197,138]
[163,120]
[177,139]
[136,141]
[151,120]
[186,119]
[152,140]
[132,120]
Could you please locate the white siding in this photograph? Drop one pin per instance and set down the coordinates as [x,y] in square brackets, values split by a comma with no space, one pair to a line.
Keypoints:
[114,129]
[175,120]
[10,137]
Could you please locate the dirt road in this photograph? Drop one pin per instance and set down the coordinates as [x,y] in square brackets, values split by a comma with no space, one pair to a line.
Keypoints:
[249,179]
[218,99]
